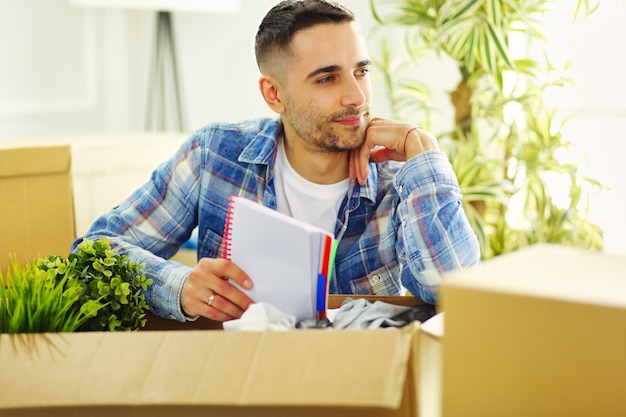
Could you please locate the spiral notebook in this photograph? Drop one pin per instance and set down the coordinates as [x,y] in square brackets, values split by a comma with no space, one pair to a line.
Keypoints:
[290,262]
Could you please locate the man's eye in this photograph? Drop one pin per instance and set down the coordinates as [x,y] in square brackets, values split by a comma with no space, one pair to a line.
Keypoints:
[362,72]
[325,80]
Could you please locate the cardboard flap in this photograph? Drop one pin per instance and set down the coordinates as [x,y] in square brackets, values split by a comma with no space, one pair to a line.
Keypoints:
[365,368]
[25,161]
[552,272]
[434,327]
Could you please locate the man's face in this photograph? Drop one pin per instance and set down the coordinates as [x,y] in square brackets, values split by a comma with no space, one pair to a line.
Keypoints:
[327,91]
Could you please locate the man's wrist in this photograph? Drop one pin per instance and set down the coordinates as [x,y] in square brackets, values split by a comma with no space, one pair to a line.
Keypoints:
[419,140]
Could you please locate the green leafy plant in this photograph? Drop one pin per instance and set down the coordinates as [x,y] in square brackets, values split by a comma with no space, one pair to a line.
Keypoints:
[37,301]
[507,144]
[105,276]
[96,288]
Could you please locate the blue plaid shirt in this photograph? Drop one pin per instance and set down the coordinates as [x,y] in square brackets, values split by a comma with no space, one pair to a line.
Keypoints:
[404,228]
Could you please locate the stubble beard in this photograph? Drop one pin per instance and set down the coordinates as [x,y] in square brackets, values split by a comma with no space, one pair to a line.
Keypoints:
[326,135]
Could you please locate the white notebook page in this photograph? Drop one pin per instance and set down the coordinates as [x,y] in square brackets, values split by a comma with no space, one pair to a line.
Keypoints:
[280,254]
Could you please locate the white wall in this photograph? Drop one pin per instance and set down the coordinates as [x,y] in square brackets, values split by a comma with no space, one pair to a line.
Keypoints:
[67,70]
[598,129]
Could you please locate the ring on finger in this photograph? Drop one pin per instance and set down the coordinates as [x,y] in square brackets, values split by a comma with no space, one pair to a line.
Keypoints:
[211,299]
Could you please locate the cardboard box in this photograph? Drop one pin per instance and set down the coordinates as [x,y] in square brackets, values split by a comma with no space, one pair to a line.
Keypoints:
[200,373]
[36,208]
[431,335]
[538,332]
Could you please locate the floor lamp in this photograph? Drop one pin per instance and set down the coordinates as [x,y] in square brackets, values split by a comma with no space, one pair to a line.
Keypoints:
[164,91]
[164,77]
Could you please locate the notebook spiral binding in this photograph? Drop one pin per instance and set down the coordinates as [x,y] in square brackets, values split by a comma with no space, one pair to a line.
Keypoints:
[228,229]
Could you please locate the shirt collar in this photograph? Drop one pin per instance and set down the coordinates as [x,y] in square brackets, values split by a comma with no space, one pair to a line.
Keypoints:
[263,145]
[367,191]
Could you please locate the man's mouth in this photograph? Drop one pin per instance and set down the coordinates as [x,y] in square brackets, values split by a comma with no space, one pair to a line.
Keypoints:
[351,120]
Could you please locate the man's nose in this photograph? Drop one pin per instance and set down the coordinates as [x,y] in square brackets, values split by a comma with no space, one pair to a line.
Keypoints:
[353,93]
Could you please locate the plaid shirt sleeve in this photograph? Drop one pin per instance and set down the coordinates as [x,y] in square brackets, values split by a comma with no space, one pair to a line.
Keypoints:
[403,230]
[433,233]
[154,222]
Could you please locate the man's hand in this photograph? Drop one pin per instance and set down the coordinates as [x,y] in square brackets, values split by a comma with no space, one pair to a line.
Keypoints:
[389,140]
[207,293]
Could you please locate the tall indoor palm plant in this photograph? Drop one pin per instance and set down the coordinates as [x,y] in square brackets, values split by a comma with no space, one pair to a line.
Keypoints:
[507,143]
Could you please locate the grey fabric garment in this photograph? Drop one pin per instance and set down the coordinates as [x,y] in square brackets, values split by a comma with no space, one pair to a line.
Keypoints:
[362,314]
[314,324]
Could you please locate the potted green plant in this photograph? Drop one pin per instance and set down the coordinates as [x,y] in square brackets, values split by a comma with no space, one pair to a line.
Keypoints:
[507,142]
[95,288]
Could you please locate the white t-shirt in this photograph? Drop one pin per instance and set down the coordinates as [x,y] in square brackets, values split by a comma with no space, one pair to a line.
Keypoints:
[316,204]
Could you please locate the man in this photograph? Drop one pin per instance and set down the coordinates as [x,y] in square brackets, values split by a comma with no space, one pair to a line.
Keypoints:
[400,225]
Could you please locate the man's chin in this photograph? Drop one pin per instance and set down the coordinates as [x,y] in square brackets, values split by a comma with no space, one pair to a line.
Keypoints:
[355,140]
[346,147]
[354,147]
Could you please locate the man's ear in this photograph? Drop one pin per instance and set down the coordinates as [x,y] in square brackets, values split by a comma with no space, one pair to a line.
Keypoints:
[270,90]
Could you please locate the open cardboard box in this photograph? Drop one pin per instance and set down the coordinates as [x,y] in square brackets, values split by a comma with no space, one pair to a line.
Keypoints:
[36,208]
[194,372]
[537,332]
[198,373]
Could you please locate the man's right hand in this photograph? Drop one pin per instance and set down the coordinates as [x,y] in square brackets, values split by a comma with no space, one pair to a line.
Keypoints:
[208,292]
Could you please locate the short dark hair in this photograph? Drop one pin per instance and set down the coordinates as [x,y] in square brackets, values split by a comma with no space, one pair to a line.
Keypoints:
[289,16]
